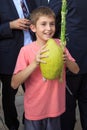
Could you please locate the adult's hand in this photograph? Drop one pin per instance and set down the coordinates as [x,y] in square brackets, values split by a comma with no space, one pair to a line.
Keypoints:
[21,24]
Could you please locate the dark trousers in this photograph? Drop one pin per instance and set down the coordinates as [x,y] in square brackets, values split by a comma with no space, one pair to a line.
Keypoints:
[44,124]
[8,102]
[77,91]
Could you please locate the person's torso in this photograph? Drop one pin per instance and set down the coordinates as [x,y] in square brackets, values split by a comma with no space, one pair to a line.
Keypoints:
[10,40]
[42,98]
[76,34]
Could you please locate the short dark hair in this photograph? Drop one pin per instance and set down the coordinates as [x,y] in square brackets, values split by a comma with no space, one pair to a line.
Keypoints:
[41,11]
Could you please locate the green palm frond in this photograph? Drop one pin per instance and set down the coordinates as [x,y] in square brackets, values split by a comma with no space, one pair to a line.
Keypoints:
[63,23]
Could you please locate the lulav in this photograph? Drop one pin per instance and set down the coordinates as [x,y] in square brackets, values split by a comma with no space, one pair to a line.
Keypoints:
[63,23]
[63,28]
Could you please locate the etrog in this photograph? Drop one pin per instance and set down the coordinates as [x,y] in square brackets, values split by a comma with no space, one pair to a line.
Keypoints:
[54,62]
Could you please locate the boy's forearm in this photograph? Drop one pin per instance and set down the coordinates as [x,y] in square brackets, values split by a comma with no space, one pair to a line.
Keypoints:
[72,66]
[19,78]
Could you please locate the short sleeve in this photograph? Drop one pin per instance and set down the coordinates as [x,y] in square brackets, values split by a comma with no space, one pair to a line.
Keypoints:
[69,55]
[66,50]
[21,61]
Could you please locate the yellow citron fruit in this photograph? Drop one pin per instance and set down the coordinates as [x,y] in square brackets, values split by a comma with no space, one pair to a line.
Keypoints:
[54,62]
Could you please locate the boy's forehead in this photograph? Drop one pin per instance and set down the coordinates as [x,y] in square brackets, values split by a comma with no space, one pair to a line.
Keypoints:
[46,17]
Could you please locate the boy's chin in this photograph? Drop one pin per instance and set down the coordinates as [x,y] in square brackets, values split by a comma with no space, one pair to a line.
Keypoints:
[48,38]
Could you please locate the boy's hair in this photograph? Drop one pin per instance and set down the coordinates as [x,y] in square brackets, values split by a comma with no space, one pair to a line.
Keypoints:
[41,11]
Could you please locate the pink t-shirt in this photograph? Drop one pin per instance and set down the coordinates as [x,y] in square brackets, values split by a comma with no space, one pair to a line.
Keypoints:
[42,99]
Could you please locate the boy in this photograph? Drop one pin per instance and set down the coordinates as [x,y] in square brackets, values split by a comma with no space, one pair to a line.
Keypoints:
[43,103]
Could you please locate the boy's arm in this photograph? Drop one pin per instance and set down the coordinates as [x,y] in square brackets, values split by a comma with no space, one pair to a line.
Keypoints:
[70,64]
[20,77]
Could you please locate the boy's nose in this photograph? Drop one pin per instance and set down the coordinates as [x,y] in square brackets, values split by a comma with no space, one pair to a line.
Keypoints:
[48,27]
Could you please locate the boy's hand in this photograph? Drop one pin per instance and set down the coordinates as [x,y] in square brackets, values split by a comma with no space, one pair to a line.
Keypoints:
[41,54]
[65,58]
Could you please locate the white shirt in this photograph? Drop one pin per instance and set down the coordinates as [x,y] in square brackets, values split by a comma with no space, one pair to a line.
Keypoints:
[27,36]
[48,1]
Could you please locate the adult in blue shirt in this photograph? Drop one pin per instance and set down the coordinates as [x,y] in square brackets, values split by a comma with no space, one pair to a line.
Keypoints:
[14,33]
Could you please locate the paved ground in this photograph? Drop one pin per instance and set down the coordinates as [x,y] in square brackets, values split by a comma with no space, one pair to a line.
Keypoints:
[19,105]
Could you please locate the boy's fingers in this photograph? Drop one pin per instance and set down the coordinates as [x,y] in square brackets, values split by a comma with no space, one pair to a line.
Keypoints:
[42,61]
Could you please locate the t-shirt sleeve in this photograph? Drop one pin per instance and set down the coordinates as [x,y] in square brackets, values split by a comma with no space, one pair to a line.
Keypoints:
[21,61]
[69,55]
[67,52]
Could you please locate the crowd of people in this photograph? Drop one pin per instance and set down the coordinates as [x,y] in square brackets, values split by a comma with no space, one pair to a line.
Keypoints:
[18,30]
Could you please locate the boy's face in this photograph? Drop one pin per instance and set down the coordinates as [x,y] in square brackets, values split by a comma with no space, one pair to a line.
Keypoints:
[45,28]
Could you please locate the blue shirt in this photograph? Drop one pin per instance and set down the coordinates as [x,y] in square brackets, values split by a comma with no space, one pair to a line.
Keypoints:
[27,36]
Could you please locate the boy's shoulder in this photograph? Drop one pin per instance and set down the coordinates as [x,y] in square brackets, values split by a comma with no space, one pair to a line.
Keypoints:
[57,40]
[29,46]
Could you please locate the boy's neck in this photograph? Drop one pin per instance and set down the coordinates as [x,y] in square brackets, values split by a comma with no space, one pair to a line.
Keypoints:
[40,43]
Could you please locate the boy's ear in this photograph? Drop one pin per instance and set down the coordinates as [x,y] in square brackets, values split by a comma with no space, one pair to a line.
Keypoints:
[32,27]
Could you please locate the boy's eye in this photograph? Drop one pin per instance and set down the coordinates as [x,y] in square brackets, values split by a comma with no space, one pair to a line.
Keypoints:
[43,24]
[52,23]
